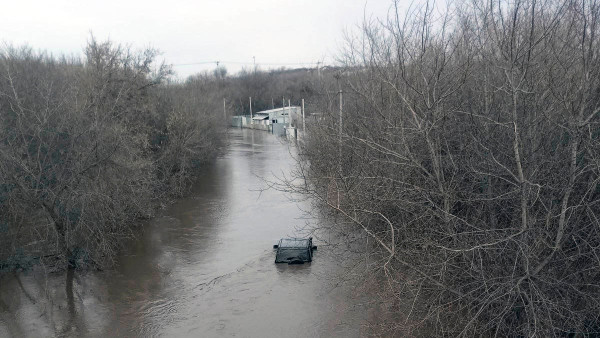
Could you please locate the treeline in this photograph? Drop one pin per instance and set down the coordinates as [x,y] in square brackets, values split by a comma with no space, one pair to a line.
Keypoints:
[267,88]
[89,146]
[468,152]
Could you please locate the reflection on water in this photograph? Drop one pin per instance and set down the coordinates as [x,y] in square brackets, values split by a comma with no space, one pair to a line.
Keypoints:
[203,268]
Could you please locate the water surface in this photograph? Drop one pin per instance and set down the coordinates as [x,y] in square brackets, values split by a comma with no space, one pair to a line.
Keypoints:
[203,268]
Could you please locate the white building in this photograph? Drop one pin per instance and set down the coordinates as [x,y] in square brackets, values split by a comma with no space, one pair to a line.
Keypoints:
[279,115]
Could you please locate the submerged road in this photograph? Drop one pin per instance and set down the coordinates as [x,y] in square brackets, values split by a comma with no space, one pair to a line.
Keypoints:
[203,268]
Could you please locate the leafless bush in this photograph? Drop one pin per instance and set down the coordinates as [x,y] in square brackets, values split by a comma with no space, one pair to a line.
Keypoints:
[82,144]
[469,154]
[195,128]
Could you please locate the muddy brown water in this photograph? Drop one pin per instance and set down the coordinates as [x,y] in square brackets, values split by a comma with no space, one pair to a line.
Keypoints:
[203,268]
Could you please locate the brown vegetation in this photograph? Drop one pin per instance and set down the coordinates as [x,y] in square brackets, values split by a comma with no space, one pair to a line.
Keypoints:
[89,146]
[469,154]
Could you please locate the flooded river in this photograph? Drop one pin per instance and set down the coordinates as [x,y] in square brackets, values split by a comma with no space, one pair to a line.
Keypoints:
[203,268]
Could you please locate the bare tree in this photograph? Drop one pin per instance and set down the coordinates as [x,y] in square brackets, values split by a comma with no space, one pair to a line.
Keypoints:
[470,144]
[83,146]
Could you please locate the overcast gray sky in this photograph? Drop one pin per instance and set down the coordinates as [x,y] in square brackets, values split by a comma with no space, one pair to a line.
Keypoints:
[230,31]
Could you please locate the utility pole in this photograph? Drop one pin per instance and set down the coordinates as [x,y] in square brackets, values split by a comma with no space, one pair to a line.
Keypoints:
[224,110]
[340,147]
[272,104]
[283,109]
[303,121]
[290,112]
[318,69]
[340,126]
[251,121]
[340,133]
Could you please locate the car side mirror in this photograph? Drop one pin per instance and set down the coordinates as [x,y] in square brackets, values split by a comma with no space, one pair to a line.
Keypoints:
[275,246]
[314,247]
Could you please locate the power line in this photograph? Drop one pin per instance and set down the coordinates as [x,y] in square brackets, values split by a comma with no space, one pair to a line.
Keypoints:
[247,63]
[195,63]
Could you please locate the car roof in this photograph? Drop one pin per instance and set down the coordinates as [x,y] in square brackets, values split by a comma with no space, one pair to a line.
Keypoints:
[293,243]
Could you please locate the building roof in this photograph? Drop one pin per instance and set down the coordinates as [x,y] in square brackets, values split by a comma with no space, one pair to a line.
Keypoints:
[277,110]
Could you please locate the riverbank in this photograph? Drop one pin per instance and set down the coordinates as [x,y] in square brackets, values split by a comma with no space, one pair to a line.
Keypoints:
[90,146]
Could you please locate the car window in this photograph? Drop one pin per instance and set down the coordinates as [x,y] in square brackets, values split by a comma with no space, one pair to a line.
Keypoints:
[294,243]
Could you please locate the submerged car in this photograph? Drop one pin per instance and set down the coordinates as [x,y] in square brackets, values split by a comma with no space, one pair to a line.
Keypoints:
[294,250]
